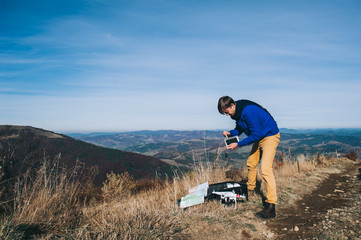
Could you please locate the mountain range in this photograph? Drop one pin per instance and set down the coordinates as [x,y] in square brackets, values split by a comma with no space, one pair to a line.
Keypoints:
[190,147]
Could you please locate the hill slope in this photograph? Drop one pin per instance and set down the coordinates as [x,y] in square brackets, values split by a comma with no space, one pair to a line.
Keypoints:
[22,148]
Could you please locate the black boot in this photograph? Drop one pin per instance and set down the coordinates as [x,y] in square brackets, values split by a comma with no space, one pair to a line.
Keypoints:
[268,212]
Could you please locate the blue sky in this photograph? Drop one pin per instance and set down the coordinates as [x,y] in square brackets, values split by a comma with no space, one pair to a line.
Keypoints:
[98,65]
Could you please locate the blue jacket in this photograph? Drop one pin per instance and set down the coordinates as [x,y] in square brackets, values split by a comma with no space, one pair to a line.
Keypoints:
[253,120]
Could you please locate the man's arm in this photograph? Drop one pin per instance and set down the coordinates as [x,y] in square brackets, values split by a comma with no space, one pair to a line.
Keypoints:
[234,132]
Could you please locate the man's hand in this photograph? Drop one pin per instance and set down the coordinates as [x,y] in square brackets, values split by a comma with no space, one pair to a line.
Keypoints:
[226,133]
[232,146]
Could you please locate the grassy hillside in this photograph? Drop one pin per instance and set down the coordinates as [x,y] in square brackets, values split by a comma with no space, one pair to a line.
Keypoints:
[53,206]
[51,203]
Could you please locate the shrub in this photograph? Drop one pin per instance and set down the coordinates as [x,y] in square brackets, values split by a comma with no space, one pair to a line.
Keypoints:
[351,155]
[118,186]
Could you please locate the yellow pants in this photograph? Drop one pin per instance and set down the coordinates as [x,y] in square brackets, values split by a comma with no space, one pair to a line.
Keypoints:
[268,146]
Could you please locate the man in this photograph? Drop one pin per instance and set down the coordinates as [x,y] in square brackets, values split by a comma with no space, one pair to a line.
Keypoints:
[262,131]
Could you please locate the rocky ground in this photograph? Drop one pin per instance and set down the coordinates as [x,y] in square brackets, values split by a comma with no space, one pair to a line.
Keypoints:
[332,211]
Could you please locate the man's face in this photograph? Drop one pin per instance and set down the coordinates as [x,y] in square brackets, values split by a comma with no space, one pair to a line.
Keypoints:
[231,110]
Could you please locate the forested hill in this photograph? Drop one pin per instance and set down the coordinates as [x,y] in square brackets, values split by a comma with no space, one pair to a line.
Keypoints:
[23,147]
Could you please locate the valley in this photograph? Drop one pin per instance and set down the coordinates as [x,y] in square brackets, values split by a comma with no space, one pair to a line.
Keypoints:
[188,148]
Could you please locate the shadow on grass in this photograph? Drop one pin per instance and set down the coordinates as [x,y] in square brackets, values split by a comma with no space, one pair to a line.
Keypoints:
[28,231]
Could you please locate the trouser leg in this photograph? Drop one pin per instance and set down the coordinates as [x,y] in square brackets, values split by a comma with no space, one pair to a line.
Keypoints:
[269,147]
[252,162]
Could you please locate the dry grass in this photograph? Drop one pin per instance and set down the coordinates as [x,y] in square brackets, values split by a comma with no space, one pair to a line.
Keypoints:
[48,200]
[50,205]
